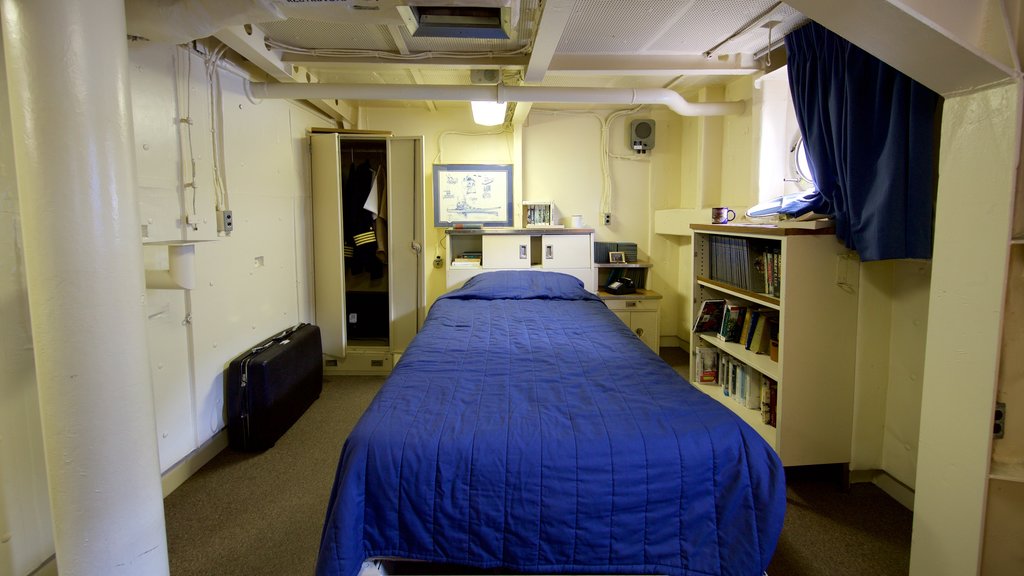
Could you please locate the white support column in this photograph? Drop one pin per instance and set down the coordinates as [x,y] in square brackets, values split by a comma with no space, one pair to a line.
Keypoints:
[71,120]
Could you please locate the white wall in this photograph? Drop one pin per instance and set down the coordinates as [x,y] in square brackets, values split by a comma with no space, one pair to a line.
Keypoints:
[251,284]
[555,157]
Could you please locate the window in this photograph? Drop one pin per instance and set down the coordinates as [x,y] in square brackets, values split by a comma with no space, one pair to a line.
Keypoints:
[782,155]
[802,166]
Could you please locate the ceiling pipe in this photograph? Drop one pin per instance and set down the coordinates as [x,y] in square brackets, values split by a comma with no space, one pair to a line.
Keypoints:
[495,93]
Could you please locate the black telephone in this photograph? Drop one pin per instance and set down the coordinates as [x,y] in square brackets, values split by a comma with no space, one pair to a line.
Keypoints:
[621,286]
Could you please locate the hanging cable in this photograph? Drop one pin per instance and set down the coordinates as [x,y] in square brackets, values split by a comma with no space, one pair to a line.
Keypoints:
[212,62]
[188,167]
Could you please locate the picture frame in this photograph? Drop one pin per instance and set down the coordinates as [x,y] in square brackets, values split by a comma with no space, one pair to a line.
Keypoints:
[472,194]
[617,257]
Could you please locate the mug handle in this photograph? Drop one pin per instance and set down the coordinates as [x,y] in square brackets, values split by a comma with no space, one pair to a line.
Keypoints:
[732,216]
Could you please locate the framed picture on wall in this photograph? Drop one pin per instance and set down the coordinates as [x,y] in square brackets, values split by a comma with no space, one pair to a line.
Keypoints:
[472,194]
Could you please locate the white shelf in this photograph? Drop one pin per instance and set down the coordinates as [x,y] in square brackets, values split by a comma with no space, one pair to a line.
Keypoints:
[762,299]
[1007,472]
[760,362]
[748,415]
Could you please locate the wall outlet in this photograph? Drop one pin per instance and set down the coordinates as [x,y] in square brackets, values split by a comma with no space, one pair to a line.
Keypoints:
[438,262]
[607,218]
[225,221]
[999,422]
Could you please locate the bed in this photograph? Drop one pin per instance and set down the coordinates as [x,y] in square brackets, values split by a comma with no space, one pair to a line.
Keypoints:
[527,429]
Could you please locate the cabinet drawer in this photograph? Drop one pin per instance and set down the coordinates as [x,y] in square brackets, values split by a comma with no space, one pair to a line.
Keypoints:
[632,305]
[506,251]
[566,251]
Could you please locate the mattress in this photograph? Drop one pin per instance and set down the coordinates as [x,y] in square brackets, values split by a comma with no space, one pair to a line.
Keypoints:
[527,428]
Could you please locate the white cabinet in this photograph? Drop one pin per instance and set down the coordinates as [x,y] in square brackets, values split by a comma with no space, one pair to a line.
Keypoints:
[640,312]
[566,251]
[504,251]
[470,252]
[816,308]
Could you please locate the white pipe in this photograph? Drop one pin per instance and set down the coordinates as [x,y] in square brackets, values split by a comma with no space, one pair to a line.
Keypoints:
[181,272]
[70,117]
[497,93]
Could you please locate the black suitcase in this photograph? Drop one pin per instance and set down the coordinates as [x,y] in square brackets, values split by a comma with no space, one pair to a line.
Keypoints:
[269,387]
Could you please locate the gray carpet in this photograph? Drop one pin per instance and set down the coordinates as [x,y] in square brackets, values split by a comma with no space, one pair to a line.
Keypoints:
[261,514]
[253,514]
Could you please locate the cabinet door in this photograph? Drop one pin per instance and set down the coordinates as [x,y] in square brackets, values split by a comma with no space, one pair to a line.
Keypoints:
[501,251]
[566,251]
[645,326]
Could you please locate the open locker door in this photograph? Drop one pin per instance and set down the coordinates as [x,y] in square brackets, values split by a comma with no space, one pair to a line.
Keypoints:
[405,225]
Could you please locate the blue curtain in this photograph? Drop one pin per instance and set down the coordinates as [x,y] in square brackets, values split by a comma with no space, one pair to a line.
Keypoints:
[872,136]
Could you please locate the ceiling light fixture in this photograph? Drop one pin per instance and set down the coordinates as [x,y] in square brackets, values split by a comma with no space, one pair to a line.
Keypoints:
[488,113]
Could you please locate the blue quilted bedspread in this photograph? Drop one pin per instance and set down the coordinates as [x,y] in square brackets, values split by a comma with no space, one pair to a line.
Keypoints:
[527,428]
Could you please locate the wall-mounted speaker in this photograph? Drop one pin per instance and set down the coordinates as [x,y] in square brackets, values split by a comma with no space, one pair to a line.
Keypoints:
[641,135]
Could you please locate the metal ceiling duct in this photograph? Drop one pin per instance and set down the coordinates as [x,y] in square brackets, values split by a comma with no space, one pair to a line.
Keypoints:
[499,93]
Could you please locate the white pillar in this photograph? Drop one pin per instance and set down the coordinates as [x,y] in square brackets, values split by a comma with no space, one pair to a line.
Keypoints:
[71,120]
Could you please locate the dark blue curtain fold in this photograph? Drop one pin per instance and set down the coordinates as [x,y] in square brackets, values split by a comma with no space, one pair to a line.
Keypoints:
[872,136]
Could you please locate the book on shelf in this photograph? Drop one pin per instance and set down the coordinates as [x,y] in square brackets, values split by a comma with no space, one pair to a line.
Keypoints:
[747,330]
[767,328]
[707,365]
[769,401]
[709,318]
[463,262]
[732,323]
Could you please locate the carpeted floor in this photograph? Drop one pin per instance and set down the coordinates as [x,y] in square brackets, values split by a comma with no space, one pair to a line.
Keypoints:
[261,514]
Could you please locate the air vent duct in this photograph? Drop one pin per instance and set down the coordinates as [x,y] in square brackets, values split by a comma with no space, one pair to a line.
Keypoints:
[478,19]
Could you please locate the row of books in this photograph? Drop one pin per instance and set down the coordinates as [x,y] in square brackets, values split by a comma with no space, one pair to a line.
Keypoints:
[749,264]
[752,326]
[739,382]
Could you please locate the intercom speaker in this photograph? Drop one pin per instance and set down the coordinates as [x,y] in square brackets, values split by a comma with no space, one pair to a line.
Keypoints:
[641,135]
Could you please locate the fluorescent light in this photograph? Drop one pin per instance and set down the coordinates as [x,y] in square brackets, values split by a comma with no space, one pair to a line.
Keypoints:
[488,113]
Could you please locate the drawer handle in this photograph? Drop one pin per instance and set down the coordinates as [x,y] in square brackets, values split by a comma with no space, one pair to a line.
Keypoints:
[631,304]
[522,251]
[549,251]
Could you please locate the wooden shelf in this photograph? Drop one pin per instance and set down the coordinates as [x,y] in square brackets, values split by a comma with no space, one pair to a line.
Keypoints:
[760,362]
[759,230]
[763,299]
[622,265]
[640,294]
[534,231]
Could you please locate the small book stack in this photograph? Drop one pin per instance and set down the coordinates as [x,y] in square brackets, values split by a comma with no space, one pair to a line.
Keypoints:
[468,260]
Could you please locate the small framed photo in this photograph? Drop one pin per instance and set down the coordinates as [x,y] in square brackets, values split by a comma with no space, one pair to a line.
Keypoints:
[617,257]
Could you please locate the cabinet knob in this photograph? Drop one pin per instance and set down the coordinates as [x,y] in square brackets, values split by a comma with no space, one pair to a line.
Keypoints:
[640,332]
[522,251]
[630,304]
[549,251]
